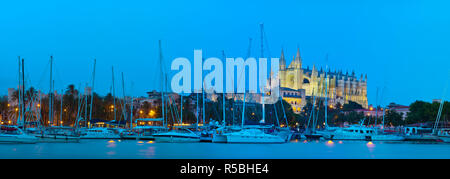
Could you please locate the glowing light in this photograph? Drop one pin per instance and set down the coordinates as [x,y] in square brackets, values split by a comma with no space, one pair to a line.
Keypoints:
[111,141]
[150,142]
[38,105]
[370,144]
[151,113]
[9,105]
[330,143]
[340,142]
[140,142]
[141,111]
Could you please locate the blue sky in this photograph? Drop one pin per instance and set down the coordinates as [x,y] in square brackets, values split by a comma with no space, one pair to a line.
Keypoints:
[403,46]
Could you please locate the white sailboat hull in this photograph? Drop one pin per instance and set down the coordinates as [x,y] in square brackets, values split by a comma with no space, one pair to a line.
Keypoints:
[253,136]
[58,139]
[175,139]
[100,136]
[363,137]
[22,139]
[250,139]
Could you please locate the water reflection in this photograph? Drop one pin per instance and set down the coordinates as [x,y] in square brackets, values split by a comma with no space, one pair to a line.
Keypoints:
[329,143]
[300,148]
[149,152]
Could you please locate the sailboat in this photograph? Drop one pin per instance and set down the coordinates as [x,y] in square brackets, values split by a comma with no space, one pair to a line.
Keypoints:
[14,134]
[178,134]
[174,135]
[56,133]
[254,135]
[310,132]
[442,133]
[103,132]
[361,132]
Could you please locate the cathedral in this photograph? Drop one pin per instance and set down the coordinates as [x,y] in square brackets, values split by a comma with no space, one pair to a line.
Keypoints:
[299,83]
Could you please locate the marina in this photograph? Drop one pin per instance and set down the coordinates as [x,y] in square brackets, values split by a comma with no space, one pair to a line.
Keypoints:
[196,80]
[296,149]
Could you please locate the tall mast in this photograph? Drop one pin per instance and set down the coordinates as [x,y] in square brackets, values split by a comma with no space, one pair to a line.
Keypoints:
[50,93]
[162,83]
[61,112]
[203,100]
[326,94]
[23,93]
[85,104]
[263,86]
[53,102]
[19,95]
[124,108]
[376,110]
[92,93]
[131,107]
[223,96]
[114,94]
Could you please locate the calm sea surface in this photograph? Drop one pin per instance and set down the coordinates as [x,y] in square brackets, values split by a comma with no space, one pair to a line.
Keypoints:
[110,149]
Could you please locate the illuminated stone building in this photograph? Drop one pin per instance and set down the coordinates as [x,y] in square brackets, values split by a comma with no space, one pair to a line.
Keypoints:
[342,88]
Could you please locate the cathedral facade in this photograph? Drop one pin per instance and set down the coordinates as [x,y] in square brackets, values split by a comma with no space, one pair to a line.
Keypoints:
[342,88]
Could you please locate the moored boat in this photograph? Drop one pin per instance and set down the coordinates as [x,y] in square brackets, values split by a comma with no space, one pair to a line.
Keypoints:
[178,135]
[59,135]
[359,132]
[252,136]
[13,134]
[100,133]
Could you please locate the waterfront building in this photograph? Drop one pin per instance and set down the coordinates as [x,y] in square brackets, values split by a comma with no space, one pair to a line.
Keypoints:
[296,98]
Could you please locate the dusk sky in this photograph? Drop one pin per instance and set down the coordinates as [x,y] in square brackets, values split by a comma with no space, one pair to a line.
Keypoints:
[402,46]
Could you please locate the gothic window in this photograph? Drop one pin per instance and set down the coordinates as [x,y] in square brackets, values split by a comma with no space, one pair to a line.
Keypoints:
[305,80]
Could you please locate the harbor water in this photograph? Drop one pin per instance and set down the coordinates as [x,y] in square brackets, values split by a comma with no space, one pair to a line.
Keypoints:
[297,149]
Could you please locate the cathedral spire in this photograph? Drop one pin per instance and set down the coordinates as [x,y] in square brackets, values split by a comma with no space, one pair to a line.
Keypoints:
[282,60]
[298,58]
